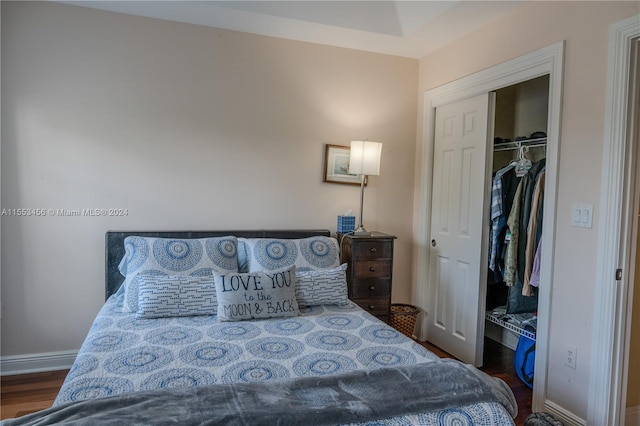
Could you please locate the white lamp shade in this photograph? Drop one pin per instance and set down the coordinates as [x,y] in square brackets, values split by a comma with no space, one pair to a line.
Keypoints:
[365,158]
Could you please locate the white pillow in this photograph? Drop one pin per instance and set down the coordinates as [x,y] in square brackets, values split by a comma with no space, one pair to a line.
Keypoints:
[175,296]
[325,287]
[267,294]
[173,256]
[267,254]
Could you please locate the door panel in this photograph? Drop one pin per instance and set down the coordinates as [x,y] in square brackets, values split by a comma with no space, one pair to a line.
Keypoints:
[443,301]
[465,192]
[458,227]
[461,283]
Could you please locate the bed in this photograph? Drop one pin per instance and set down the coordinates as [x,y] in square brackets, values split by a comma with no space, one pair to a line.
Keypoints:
[302,354]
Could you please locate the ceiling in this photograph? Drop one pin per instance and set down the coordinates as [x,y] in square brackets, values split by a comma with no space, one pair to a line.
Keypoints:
[404,28]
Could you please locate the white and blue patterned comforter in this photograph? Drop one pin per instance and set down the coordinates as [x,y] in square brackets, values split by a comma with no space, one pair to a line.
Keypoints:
[122,354]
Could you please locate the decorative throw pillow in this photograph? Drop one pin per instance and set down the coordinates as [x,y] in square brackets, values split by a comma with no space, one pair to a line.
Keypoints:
[171,256]
[267,254]
[267,294]
[175,296]
[326,287]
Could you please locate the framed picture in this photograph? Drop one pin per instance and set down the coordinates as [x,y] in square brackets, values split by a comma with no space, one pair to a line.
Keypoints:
[336,165]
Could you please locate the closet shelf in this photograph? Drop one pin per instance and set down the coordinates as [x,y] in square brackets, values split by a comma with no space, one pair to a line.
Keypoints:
[510,146]
[521,331]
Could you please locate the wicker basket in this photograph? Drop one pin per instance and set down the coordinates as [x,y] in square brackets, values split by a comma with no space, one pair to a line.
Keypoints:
[403,318]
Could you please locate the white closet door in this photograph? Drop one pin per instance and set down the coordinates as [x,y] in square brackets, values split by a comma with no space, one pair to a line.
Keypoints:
[459,224]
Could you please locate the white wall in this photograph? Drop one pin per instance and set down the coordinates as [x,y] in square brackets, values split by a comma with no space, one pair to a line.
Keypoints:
[584,26]
[186,127]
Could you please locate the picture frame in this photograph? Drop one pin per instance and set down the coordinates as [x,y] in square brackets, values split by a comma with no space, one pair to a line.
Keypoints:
[336,166]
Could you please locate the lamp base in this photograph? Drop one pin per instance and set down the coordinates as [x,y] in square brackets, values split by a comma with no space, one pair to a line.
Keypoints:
[361,231]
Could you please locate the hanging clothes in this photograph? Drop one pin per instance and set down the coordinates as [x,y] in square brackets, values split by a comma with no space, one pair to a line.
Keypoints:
[529,181]
[517,196]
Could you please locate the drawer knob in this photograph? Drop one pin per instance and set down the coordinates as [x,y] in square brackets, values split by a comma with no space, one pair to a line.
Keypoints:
[373,287]
[372,269]
[372,307]
[372,249]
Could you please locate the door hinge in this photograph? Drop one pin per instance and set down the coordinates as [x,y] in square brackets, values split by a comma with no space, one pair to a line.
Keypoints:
[618,274]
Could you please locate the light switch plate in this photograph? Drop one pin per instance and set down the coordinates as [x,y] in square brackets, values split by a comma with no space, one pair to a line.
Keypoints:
[582,215]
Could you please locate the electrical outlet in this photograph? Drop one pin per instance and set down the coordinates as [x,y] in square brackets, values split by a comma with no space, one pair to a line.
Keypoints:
[571,355]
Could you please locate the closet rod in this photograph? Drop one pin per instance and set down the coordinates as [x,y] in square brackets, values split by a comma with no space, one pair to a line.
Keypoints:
[511,146]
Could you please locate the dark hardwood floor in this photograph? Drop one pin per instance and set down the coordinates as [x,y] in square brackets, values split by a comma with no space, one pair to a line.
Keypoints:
[498,362]
[26,393]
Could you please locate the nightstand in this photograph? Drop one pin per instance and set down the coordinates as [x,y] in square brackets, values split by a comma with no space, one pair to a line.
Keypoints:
[369,271]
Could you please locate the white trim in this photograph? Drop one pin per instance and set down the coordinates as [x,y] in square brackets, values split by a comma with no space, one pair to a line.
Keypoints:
[35,363]
[606,396]
[548,60]
[566,417]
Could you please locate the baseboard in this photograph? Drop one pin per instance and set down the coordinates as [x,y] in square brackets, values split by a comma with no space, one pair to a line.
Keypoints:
[633,415]
[35,363]
[565,416]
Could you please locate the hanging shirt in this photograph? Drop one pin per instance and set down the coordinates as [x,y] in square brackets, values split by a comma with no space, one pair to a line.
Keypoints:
[498,217]
[532,232]
[513,225]
[508,183]
[535,271]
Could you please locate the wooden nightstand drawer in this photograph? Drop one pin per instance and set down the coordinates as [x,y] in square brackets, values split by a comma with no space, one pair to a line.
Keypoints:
[377,306]
[372,269]
[375,287]
[369,270]
[373,250]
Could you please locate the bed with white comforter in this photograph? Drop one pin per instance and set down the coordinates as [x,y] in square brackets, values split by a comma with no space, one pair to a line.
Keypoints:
[126,354]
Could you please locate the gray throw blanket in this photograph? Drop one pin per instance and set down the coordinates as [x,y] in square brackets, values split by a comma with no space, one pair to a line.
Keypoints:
[357,396]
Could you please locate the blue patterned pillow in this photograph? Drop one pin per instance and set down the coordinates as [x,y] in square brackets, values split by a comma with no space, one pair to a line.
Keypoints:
[176,296]
[326,287]
[267,294]
[170,256]
[267,254]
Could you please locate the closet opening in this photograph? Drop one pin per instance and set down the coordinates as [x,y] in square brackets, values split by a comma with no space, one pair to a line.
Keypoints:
[517,198]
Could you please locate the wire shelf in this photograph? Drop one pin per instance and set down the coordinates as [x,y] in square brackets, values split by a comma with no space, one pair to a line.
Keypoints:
[510,146]
[521,331]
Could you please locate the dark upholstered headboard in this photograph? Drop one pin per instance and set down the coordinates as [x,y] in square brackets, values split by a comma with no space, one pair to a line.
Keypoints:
[114,245]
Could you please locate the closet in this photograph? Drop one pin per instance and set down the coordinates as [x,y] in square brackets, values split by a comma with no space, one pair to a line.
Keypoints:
[517,188]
